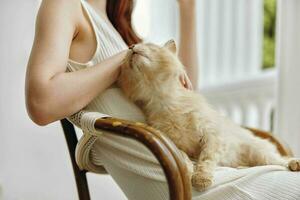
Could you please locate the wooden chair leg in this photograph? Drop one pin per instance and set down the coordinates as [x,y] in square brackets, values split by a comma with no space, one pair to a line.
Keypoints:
[80,176]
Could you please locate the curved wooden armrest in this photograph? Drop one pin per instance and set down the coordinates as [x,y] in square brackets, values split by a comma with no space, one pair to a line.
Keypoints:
[163,149]
[282,147]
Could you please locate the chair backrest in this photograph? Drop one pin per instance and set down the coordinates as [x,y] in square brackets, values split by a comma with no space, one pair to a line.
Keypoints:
[80,176]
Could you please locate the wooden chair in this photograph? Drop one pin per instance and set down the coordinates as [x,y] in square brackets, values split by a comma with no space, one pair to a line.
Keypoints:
[164,150]
[80,176]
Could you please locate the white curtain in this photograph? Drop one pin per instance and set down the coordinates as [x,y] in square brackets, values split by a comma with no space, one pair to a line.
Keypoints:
[288,60]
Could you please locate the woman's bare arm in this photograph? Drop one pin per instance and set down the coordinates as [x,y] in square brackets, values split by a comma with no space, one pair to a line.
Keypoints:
[188,40]
[51,93]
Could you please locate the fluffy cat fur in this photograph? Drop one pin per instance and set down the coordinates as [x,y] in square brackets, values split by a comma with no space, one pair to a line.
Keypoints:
[150,78]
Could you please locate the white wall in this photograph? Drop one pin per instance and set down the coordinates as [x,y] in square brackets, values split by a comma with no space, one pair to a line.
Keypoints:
[163,23]
[34,162]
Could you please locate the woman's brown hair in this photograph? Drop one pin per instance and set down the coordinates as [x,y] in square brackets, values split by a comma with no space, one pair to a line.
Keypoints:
[119,13]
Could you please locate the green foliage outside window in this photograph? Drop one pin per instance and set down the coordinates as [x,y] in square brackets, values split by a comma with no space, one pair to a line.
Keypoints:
[269,33]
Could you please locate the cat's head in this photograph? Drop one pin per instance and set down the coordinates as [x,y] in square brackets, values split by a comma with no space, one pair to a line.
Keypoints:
[148,68]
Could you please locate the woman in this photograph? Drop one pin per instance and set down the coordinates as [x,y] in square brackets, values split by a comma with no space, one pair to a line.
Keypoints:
[91,38]
[63,31]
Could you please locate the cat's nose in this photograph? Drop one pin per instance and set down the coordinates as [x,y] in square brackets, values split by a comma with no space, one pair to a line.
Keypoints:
[131,46]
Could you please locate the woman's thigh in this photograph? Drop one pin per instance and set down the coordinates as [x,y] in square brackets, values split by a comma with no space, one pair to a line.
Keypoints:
[134,168]
[255,183]
[140,176]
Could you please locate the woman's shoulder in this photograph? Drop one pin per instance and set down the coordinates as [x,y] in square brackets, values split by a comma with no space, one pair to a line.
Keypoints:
[63,10]
[65,6]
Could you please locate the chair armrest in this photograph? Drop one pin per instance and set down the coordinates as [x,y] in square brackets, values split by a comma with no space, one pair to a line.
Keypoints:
[282,147]
[162,147]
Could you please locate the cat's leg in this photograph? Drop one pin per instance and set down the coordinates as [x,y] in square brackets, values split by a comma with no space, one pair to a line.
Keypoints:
[274,158]
[262,152]
[207,161]
[189,164]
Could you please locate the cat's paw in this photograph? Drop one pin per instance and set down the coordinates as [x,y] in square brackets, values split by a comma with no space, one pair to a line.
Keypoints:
[201,181]
[294,165]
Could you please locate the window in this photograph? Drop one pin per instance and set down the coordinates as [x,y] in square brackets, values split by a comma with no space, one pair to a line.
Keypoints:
[269,33]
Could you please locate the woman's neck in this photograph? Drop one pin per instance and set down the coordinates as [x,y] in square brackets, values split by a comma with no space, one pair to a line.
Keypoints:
[99,5]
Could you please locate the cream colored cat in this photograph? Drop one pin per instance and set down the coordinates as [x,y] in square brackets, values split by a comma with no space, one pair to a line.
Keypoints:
[150,78]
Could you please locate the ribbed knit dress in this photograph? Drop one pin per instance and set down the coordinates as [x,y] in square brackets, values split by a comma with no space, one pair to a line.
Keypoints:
[133,166]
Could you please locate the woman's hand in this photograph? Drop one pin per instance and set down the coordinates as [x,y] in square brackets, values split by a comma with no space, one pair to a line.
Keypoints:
[185,81]
[124,56]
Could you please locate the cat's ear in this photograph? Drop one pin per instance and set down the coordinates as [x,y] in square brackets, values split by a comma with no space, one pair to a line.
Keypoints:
[171,45]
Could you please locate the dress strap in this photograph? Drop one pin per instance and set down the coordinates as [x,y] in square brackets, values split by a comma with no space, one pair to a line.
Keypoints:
[91,18]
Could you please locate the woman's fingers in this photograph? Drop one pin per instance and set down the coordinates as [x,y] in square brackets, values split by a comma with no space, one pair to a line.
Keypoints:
[185,81]
[182,79]
[189,83]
